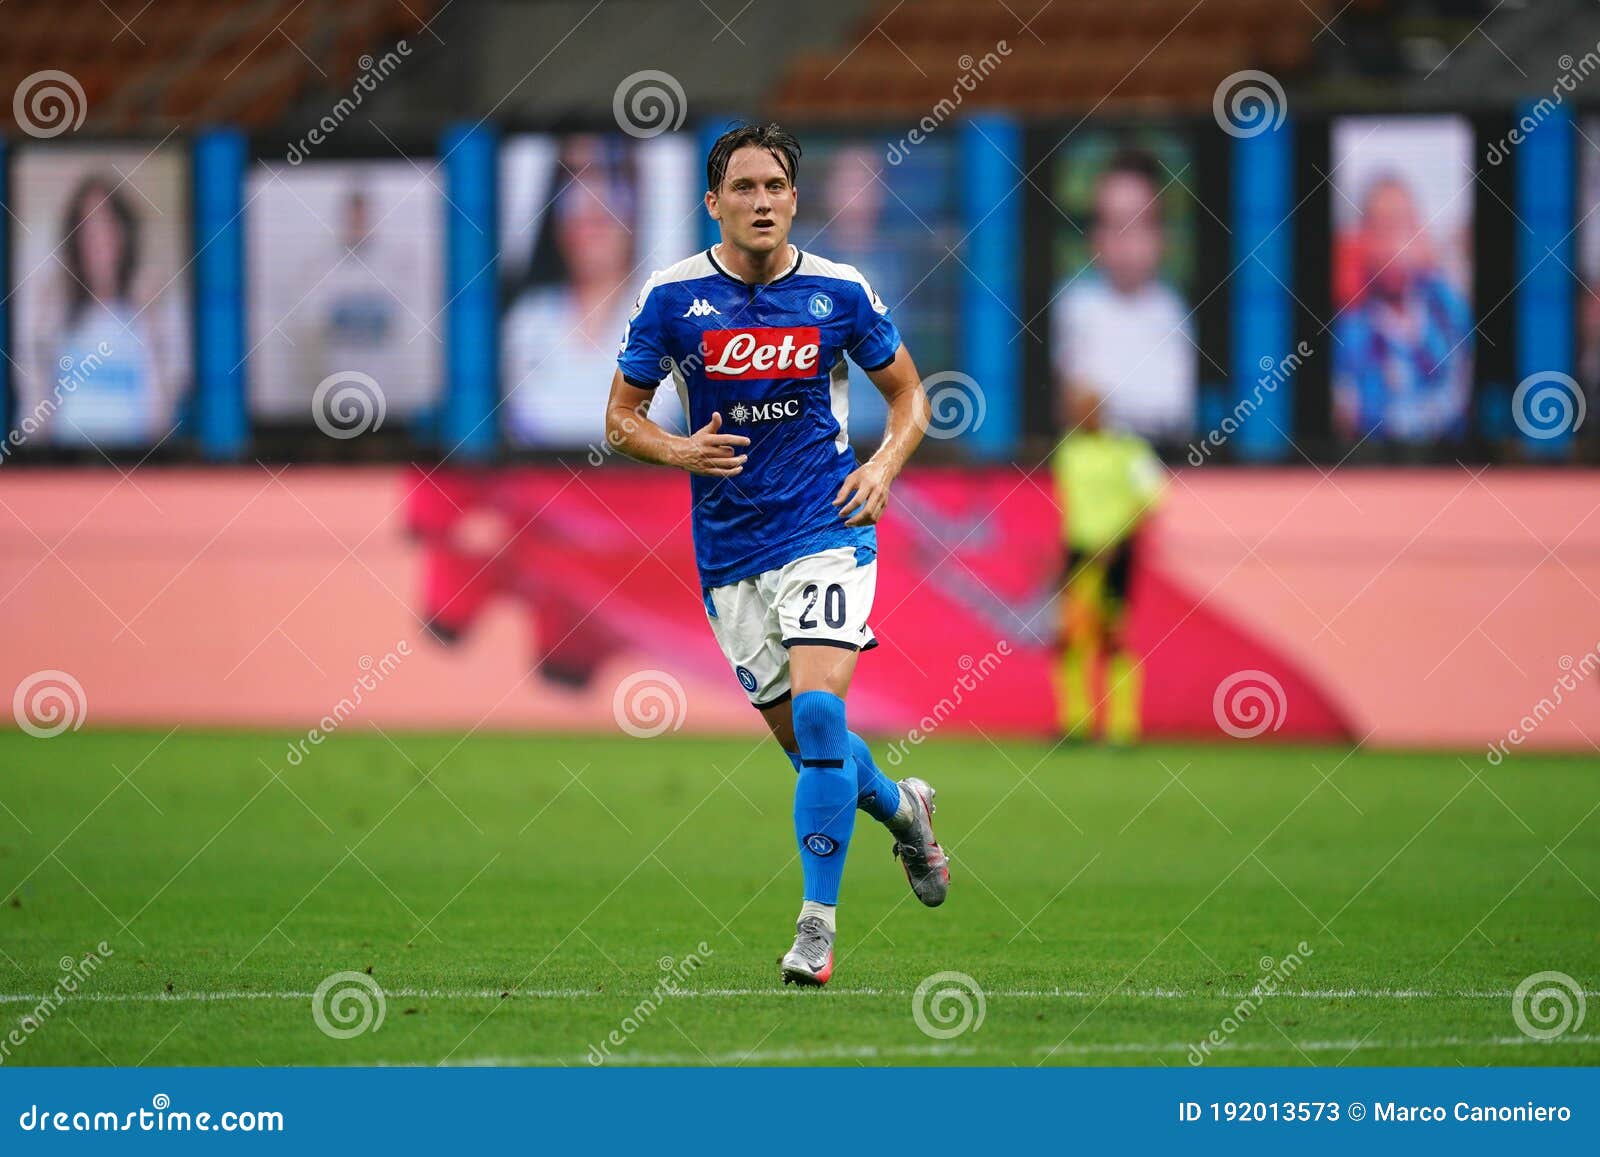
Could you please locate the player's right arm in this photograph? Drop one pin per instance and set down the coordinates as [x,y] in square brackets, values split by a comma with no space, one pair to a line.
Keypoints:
[641,361]
[629,429]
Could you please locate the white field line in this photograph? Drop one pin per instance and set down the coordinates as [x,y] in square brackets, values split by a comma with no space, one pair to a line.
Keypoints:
[775,993]
[872,1052]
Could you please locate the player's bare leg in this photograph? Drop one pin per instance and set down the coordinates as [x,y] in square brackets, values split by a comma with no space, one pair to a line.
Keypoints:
[1124,685]
[824,802]
[905,808]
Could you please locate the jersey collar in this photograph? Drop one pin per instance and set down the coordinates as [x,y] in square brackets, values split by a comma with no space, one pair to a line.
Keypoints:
[799,256]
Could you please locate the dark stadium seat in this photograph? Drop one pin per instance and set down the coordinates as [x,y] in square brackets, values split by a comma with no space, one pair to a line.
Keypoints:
[168,63]
[1112,54]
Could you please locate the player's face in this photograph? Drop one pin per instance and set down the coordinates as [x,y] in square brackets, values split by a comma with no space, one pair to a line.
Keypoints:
[1128,237]
[1396,248]
[755,203]
[100,240]
[596,245]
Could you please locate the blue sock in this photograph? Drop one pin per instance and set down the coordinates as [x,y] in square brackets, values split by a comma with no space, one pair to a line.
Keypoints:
[876,793]
[824,793]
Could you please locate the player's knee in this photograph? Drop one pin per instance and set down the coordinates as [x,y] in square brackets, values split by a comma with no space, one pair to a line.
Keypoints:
[817,668]
[1116,631]
[1082,631]
[819,721]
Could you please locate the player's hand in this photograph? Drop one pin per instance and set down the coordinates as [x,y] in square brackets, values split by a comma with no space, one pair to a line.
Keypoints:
[863,495]
[713,454]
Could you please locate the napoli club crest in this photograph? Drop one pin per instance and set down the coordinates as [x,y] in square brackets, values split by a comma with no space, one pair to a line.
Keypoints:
[746,679]
[820,845]
[820,305]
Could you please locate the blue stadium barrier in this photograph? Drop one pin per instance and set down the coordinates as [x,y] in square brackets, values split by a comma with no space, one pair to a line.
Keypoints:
[992,191]
[472,317]
[1545,310]
[7,419]
[220,372]
[1262,312]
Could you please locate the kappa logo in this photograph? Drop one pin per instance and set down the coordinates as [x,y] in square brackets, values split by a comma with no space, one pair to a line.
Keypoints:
[766,410]
[700,307]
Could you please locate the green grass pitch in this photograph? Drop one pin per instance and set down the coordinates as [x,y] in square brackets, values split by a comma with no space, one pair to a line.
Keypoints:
[514,899]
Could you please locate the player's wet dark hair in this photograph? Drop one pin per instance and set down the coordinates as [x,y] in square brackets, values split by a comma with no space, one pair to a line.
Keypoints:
[586,169]
[91,193]
[1135,162]
[774,138]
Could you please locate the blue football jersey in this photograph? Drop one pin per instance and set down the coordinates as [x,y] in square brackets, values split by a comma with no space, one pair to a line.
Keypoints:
[771,359]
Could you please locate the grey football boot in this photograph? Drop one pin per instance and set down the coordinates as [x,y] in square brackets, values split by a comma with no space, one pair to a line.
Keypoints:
[810,961]
[927,867]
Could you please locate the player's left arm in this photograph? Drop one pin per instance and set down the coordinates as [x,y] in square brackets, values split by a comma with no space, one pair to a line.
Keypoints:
[864,494]
[1148,478]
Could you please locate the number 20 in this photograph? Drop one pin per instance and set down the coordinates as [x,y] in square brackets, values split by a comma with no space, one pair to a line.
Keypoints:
[831,614]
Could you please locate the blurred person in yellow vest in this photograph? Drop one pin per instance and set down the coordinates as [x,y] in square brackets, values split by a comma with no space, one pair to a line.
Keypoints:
[1107,483]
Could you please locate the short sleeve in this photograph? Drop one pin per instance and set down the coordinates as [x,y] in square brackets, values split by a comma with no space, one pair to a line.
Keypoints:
[643,356]
[875,340]
[1145,473]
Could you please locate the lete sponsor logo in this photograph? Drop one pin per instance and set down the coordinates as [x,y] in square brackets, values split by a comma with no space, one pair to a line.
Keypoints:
[761,354]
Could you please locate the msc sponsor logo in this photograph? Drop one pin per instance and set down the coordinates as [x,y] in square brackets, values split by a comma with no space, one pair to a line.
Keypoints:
[766,410]
[762,354]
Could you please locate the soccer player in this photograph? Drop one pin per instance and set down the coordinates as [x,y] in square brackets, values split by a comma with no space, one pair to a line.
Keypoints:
[1106,483]
[755,334]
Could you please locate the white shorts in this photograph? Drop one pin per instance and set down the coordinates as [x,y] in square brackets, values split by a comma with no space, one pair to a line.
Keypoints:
[822,598]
